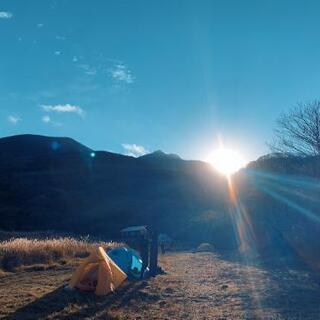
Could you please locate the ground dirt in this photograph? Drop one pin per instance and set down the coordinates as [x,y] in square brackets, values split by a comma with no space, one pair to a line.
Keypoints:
[195,286]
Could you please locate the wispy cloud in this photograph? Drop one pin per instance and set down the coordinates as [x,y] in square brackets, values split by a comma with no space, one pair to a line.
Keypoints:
[40,25]
[105,68]
[64,108]
[134,150]
[121,73]
[61,38]
[13,119]
[57,53]
[5,15]
[91,71]
[47,119]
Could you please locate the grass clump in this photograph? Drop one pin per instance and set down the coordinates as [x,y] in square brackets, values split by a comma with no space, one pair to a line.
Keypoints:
[18,252]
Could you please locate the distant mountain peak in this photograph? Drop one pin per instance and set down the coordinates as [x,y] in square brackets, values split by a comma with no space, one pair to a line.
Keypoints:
[34,145]
[159,154]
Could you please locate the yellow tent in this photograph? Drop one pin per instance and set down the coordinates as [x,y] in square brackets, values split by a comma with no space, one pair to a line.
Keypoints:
[97,273]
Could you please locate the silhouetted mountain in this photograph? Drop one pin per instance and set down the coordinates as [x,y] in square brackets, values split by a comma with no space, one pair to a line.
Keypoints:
[34,145]
[57,183]
[71,187]
[159,155]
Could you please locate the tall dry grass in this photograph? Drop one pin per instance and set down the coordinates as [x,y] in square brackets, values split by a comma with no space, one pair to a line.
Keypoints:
[18,252]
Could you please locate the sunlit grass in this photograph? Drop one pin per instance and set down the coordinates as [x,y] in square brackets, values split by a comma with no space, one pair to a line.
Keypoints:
[18,252]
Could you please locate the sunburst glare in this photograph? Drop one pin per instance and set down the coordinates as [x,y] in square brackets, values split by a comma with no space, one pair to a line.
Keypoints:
[226,161]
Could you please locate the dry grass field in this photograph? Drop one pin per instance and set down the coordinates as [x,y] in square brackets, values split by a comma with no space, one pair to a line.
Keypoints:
[41,254]
[195,286]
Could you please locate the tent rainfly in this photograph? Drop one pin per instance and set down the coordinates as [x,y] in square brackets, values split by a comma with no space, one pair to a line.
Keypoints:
[97,273]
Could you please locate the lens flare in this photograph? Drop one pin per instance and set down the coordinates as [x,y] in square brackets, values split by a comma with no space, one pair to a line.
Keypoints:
[227,161]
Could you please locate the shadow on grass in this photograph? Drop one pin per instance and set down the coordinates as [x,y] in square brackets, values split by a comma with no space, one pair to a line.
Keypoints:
[61,304]
[291,288]
[267,260]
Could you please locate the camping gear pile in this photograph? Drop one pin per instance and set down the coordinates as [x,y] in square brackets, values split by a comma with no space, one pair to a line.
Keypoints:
[103,272]
[145,240]
[165,242]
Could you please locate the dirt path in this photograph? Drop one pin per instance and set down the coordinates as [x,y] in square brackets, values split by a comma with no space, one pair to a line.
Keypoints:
[195,286]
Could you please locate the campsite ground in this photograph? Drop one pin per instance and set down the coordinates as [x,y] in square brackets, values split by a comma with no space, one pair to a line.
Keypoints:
[195,286]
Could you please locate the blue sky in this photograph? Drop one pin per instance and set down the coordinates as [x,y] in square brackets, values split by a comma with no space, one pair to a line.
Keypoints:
[136,76]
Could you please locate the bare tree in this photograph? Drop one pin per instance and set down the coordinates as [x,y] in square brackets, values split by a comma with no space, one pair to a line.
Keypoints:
[298,131]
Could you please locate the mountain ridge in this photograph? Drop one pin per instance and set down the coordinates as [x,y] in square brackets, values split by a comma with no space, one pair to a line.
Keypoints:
[70,189]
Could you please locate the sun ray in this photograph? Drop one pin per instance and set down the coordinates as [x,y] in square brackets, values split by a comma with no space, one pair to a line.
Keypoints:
[302,181]
[273,185]
[245,236]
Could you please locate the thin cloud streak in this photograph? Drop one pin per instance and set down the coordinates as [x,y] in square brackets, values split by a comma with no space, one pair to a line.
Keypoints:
[64,108]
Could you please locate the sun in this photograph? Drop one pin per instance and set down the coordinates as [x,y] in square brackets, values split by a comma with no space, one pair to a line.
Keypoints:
[227,161]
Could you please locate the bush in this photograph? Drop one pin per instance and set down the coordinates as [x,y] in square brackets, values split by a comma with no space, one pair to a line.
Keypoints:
[205,247]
